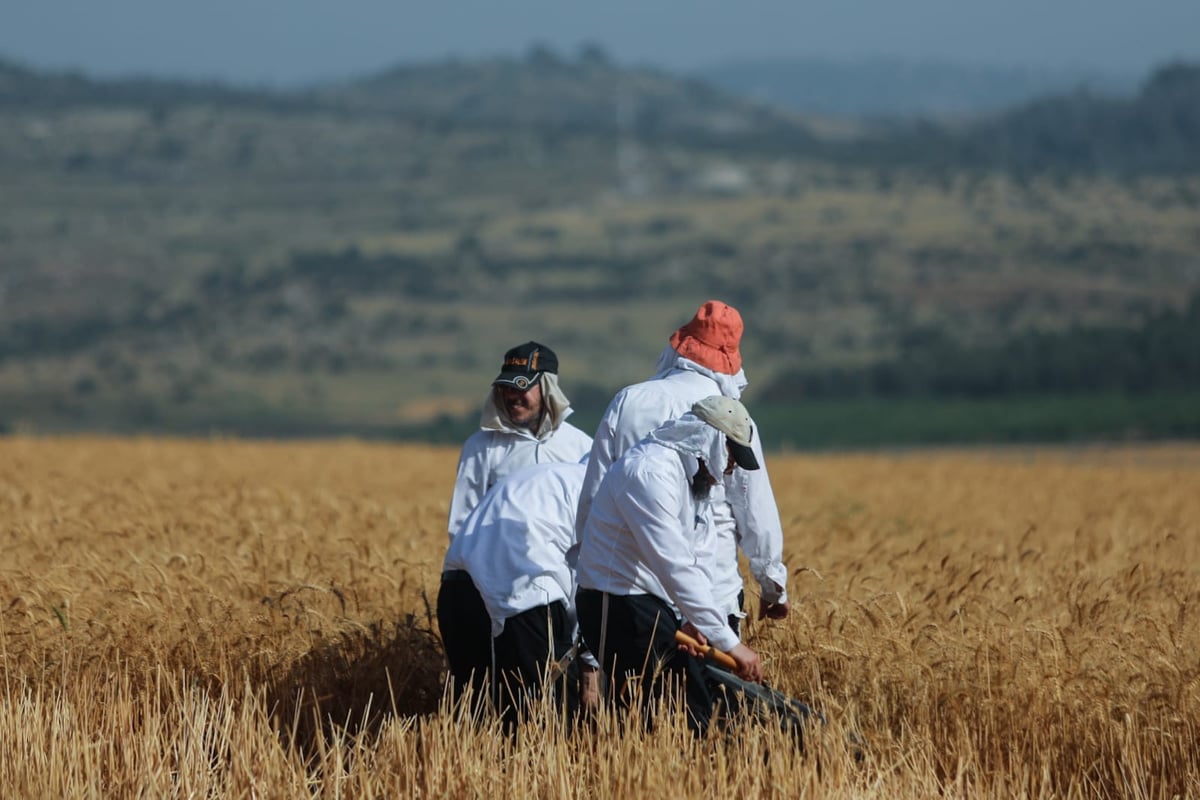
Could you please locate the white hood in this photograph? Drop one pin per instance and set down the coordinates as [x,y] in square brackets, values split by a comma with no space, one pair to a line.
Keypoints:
[730,385]
[694,437]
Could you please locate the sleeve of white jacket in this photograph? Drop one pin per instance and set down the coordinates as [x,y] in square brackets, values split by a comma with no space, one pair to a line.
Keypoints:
[583,654]
[470,485]
[652,514]
[602,456]
[760,533]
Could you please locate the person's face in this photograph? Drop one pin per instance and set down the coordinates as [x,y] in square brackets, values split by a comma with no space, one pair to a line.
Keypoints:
[729,462]
[524,408]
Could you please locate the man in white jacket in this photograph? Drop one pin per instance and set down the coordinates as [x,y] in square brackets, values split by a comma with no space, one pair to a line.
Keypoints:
[702,358]
[644,561]
[506,604]
[524,422]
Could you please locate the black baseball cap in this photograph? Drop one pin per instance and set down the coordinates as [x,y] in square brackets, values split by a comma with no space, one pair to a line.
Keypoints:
[524,364]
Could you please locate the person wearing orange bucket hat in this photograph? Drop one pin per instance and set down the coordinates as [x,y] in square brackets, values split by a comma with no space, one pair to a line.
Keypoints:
[712,338]
[702,358]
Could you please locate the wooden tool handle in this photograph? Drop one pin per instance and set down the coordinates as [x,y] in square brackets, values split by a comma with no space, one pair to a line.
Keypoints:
[719,656]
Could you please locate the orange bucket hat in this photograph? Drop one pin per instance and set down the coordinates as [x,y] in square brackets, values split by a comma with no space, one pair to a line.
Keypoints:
[712,337]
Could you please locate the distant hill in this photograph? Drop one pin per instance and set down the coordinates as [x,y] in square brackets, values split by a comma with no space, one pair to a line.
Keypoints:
[546,90]
[542,90]
[1091,128]
[898,88]
[350,258]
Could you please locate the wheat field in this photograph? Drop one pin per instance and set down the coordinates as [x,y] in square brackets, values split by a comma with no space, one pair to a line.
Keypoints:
[233,619]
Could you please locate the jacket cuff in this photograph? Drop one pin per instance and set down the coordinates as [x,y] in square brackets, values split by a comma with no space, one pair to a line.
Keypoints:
[773,581]
[725,640]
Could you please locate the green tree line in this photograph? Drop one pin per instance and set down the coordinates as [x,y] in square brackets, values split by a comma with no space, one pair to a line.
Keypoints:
[1161,354]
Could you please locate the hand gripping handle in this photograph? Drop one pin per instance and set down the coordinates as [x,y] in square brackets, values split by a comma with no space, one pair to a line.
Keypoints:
[719,656]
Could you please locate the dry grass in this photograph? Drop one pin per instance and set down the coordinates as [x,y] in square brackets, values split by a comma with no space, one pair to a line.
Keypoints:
[225,619]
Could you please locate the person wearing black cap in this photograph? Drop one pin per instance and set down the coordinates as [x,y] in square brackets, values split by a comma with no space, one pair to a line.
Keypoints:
[524,422]
[506,605]
[644,566]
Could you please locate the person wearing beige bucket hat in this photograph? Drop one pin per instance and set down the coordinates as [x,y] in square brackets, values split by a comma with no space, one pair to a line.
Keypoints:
[643,566]
[702,358]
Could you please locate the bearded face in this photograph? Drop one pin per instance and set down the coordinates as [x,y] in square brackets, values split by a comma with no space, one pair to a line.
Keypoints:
[523,406]
[702,482]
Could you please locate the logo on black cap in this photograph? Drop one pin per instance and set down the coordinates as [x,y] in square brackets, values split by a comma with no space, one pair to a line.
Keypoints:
[524,364]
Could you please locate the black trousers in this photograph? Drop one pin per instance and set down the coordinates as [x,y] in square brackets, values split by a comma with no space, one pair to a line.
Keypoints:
[521,652]
[734,620]
[530,642]
[466,635]
[639,650]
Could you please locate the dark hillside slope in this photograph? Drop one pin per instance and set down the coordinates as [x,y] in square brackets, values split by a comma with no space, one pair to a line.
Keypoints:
[901,88]
[22,88]
[1158,131]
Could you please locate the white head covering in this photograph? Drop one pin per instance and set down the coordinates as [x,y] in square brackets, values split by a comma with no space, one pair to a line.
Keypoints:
[694,437]
[729,385]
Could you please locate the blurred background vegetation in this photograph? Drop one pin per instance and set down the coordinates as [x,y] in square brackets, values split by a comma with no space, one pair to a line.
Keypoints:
[354,258]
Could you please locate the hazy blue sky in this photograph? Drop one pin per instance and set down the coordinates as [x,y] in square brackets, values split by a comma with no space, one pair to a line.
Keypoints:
[302,40]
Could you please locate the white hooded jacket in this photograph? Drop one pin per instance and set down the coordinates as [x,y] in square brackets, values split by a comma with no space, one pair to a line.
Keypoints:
[500,448]
[514,543]
[744,509]
[648,534]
